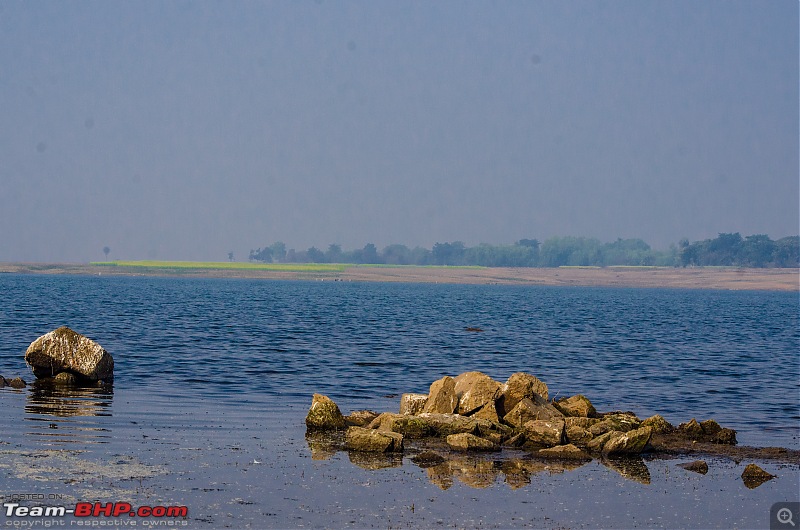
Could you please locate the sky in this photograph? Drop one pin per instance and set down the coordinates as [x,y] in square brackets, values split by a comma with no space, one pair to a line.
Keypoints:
[187,130]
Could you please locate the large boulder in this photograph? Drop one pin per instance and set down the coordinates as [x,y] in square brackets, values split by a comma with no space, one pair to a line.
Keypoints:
[442,397]
[374,441]
[324,415]
[529,409]
[519,386]
[470,442]
[64,350]
[474,390]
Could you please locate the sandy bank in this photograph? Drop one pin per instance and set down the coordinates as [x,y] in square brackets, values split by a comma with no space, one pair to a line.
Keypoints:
[642,277]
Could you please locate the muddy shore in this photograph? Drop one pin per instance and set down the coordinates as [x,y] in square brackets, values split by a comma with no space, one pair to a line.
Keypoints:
[638,277]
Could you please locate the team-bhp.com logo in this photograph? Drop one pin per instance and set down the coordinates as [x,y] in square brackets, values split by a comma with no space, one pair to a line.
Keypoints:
[89,514]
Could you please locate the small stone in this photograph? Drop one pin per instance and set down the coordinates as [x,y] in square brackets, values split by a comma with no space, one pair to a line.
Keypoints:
[360,418]
[412,403]
[470,442]
[324,414]
[698,466]
[66,378]
[17,382]
[753,476]
[407,425]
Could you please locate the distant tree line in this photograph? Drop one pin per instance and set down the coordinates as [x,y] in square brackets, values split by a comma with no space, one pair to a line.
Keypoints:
[725,250]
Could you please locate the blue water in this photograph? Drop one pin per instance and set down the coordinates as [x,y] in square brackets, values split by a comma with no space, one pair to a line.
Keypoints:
[732,356]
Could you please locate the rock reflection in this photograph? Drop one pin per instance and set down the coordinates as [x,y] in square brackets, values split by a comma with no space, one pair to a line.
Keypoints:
[631,467]
[64,413]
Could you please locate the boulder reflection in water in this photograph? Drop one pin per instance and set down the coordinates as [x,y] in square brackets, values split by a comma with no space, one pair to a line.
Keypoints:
[68,414]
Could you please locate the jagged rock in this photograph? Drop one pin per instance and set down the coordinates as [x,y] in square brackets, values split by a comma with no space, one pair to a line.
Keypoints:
[531,409]
[578,435]
[64,350]
[753,476]
[544,433]
[470,442]
[615,422]
[629,443]
[658,424]
[474,390]
[597,443]
[578,405]
[371,440]
[17,382]
[412,403]
[324,414]
[427,459]
[710,427]
[488,412]
[698,466]
[66,378]
[564,452]
[691,429]
[724,436]
[520,385]
[360,418]
[442,397]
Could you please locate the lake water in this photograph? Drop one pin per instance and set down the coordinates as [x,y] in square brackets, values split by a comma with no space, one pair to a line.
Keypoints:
[213,379]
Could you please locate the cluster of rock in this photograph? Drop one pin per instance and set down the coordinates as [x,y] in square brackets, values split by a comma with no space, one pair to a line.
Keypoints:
[64,356]
[473,412]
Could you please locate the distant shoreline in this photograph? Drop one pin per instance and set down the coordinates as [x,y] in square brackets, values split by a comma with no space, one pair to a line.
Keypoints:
[635,277]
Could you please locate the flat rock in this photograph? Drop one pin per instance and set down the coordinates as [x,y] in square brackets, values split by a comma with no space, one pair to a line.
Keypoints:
[474,390]
[564,452]
[447,424]
[412,403]
[442,397]
[373,441]
[63,350]
[324,414]
[597,443]
[470,442]
[360,418]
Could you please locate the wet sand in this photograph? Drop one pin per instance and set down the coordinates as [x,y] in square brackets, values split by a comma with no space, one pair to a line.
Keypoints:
[637,277]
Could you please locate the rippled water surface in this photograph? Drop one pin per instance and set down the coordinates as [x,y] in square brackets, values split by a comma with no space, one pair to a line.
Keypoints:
[728,355]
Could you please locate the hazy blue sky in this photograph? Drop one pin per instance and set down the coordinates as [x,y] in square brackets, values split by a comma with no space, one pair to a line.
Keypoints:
[184,130]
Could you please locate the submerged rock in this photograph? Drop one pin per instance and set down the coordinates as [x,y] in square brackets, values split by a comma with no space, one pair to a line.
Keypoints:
[753,476]
[17,382]
[442,397]
[64,350]
[66,378]
[324,414]
[698,466]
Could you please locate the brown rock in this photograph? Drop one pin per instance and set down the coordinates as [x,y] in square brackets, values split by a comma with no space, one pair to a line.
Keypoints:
[412,403]
[578,435]
[371,440]
[470,442]
[324,414]
[474,390]
[66,378]
[564,452]
[488,412]
[698,466]
[615,422]
[578,405]
[583,423]
[360,418]
[710,427]
[63,350]
[17,382]
[408,426]
[724,436]
[520,385]
[753,476]
[597,443]
[544,433]
[629,443]
[531,409]
[427,459]
[691,429]
[442,397]
[658,424]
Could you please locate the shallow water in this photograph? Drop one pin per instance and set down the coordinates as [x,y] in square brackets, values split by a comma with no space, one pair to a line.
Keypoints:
[213,379]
